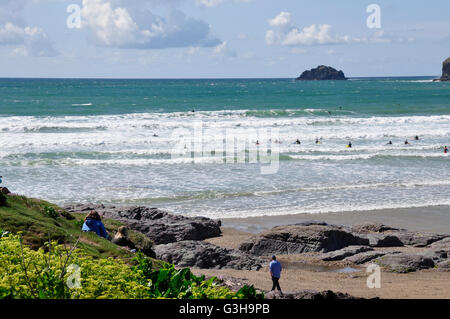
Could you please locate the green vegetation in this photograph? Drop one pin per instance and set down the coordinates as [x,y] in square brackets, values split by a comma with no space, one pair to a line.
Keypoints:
[44,254]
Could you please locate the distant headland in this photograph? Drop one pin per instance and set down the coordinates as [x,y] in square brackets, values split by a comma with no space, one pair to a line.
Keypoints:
[322,72]
[445,70]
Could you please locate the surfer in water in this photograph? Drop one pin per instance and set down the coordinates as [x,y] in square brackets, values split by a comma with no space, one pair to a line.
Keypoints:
[298,142]
[389,143]
[317,141]
[445,152]
[416,137]
[406,142]
[349,144]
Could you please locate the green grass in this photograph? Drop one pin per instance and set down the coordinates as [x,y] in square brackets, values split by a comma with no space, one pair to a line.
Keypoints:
[40,221]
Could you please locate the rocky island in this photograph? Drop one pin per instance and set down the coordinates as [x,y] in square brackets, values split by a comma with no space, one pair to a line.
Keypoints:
[445,70]
[322,72]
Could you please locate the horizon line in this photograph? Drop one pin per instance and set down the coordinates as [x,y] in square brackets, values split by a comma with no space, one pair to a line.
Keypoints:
[204,78]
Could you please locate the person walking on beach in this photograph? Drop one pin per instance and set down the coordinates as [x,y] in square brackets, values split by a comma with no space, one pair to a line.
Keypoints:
[275,273]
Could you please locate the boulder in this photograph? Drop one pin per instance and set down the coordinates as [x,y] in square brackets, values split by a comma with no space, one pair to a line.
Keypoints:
[344,252]
[322,72]
[405,262]
[200,254]
[371,227]
[418,239]
[383,240]
[295,239]
[364,257]
[308,294]
[160,226]
[444,265]
[446,70]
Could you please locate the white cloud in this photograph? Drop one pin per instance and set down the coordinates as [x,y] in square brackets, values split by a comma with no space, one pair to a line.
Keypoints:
[14,32]
[209,3]
[223,50]
[284,18]
[285,33]
[122,27]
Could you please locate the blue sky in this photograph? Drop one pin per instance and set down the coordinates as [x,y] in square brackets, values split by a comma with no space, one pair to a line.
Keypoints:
[221,38]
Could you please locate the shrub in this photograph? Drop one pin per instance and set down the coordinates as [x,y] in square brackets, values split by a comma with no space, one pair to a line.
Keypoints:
[45,273]
[51,212]
[3,199]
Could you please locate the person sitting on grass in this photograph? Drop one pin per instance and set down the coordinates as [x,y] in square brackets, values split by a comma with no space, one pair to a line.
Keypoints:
[121,238]
[93,223]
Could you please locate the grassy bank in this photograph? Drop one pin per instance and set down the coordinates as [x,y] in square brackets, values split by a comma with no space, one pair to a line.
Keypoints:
[44,254]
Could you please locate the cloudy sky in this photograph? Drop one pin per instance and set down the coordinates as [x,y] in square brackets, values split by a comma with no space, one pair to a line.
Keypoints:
[220,38]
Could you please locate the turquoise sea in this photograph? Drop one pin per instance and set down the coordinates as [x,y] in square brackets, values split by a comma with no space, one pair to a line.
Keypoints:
[129,142]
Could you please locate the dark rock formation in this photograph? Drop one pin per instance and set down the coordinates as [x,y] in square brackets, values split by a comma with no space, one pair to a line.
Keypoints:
[405,262]
[322,72]
[309,294]
[417,239]
[158,225]
[344,252]
[201,254]
[364,257]
[295,239]
[446,70]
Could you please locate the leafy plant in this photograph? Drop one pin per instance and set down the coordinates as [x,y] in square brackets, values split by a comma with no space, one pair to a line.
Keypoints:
[51,212]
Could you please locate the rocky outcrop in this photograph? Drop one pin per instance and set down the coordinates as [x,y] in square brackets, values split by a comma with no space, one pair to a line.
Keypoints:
[322,72]
[160,226]
[300,238]
[405,262]
[201,254]
[364,257]
[380,235]
[445,70]
[344,252]
[309,294]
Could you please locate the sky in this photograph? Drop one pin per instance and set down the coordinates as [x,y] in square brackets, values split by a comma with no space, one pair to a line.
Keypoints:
[221,38]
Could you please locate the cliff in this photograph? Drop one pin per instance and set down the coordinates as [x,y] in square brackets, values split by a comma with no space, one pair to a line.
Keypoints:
[446,70]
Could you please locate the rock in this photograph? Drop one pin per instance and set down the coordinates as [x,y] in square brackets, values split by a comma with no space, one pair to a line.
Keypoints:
[445,70]
[191,253]
[443,244]
[344,252]
[417,239]
[372,227]
[295,239]
[364,257]
[308,294]
[160,226]
[405,262]
[383,240]
[322,72]
[444,265]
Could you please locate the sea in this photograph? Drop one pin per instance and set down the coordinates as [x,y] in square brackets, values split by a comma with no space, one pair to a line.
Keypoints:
[135,142]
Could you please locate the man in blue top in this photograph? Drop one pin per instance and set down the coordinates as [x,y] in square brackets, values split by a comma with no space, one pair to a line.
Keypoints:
[275,272]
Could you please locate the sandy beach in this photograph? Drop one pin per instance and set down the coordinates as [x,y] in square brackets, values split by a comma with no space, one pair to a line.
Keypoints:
[304,272]
[429,219]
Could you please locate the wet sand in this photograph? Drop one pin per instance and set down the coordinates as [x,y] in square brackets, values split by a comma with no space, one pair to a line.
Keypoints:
[428,219]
